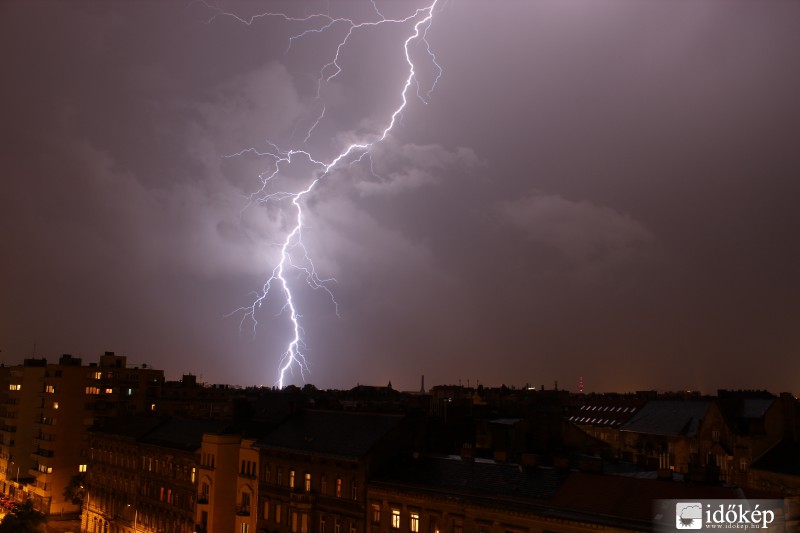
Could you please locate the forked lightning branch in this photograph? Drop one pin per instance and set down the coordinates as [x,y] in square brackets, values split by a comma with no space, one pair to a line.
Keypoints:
[295,260]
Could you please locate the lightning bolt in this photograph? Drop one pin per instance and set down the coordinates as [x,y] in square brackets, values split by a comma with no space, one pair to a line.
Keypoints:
[295,261]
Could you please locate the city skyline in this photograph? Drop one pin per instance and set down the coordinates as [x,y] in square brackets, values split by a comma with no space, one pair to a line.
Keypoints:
[598,189]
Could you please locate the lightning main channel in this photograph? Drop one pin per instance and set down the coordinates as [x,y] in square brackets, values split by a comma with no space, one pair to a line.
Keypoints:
[294,257]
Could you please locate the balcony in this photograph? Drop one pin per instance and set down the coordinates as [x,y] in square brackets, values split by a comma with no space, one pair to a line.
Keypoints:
[302,497]
[243,510]
[41,452]
[202,500]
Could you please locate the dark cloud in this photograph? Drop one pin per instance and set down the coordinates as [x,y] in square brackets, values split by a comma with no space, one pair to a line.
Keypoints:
[597,188]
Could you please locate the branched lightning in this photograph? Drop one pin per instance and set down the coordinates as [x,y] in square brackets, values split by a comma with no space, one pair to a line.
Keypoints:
[294,257]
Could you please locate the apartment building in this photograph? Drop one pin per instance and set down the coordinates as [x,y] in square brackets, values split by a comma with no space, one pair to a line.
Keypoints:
[143,474]
[47,409]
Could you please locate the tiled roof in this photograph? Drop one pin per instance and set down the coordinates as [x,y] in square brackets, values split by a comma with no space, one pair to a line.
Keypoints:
[162,430]
[485,479]
[783,458]
[183,433]
[668,418]
[756,407]
[631,498]
[337,433]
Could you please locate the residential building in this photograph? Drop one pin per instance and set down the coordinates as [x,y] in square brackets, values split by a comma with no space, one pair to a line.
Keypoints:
[314,467]
[47,409]
[143,474]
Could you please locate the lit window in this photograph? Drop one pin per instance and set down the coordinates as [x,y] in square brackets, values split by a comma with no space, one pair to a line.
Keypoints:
[15,386]
[81,468]
[395,518]
[109,390]
[245,527]
[55,405]
[291,479]
[194,474]
[414,526]
[307,483]
[97,375]
[278,513]
[153,407]
[376,514]
[50,389]
[92,390]
[338,487]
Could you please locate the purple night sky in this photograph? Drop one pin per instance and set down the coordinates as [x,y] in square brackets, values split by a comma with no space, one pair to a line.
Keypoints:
[596,188]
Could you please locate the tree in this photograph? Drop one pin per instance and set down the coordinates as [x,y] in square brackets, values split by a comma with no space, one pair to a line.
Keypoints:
[23,518]
[74,491]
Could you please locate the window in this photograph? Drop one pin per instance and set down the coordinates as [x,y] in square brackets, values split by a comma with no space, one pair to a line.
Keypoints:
[280,476]
[337,527]
[245,527]
[715,435]
[338,487]
[322,524]
[81,468]
[97,375]
[434,526]
[354,490]
[194,474]
[294,521]
[278,513]
[376,513]
[245,502]
[395,518]
[109,390]
[92,390]
[743,465]
[414,524]
[55,405]
[323,484]
[266,509]
[291,479]
[307,482]
[50,389]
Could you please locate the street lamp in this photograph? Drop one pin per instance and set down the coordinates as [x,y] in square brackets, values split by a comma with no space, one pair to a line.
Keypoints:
[135,516]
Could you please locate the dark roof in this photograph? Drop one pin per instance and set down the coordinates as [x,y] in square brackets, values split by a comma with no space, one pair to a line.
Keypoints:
[481,479]
[183,433]
[635,499]
[783,458]
[668,418]
[161,430]
[336,433]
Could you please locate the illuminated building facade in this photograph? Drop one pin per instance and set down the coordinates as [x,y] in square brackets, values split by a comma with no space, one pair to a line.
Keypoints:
[47,409]
[314,467]
[143,474]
